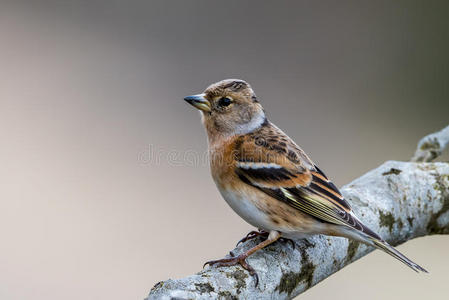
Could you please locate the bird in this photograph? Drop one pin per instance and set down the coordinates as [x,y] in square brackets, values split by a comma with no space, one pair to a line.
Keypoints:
[268,180]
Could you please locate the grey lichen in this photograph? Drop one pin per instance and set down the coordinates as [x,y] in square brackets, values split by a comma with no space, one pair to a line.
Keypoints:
[226,295]
[400,224]
[386,220]
[352,249]
[431,146]
[432,149]
[204,287]
[290,280]
[442,186]
[392,171]
[240,279]
[307,270]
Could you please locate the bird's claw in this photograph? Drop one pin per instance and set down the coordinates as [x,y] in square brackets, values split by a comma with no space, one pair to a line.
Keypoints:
[251,235]
[240,259]
[286,240]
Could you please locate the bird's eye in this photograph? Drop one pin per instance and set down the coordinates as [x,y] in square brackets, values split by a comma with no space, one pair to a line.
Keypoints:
[225,101]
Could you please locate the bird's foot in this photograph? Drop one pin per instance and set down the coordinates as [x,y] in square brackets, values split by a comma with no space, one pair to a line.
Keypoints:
[240,259]
[253,234]
[286,240]
[262,233]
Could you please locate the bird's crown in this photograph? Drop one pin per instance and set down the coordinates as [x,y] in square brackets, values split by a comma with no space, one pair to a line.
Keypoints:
[229,107]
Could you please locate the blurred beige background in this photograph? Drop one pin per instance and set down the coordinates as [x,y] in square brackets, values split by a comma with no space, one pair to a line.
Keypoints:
[103,191]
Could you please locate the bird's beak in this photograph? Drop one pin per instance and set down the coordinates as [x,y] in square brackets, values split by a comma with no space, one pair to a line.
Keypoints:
[199,101]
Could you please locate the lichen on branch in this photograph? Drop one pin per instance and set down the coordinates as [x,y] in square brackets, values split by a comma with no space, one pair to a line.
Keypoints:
[431,146]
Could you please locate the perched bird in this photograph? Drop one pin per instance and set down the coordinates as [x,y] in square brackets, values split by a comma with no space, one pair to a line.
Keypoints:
[268,180]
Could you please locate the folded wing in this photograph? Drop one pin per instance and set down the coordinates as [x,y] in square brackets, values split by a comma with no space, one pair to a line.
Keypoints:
[299,183]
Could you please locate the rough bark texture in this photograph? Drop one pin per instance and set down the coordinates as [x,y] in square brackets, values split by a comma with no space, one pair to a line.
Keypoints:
[431,146]
[399,200]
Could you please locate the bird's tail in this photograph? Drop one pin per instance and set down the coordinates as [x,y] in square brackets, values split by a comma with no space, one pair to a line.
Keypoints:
[384,246]
[367,236]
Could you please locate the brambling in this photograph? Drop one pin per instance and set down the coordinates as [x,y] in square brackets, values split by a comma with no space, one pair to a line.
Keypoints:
[268,180]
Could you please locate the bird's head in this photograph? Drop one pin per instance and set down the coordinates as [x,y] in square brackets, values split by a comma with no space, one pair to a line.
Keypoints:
[228,107]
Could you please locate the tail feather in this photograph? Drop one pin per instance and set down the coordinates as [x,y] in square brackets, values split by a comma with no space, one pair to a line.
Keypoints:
[382,245]
[366,235]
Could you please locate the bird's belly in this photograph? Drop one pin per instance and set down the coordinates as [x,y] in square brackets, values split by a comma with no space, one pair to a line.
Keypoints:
[252,207]
[244,204]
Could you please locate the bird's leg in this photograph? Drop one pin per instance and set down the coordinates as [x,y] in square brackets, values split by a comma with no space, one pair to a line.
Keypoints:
[241,259]
[253,234]
[287,240]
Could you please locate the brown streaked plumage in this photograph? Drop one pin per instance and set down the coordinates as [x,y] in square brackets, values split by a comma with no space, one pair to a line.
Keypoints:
[268,179]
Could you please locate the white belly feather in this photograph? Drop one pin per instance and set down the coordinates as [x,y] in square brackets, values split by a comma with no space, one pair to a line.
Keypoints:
[243,204]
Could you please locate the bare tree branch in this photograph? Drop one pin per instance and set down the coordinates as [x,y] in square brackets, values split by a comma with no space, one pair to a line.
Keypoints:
[431,146]
[399,200]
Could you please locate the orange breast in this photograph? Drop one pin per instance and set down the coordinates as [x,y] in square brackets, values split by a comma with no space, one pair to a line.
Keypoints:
[222,162]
